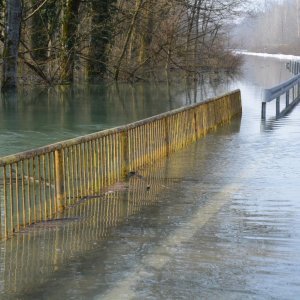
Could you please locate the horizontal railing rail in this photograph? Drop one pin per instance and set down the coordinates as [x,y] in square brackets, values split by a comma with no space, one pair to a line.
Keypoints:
[290,87]
[37,185]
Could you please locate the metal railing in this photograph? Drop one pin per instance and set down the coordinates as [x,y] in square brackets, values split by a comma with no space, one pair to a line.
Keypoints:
[288,88]
[37,185]
[293,66]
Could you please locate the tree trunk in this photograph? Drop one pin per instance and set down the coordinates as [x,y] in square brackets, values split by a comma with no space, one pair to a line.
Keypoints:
[101,33]
[191,22]
[139,5]
[69,30]
[2,11]
[147,32]
[41,30]
[11,44]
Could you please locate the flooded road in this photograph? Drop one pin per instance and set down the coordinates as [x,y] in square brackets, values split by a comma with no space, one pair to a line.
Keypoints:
[221,220]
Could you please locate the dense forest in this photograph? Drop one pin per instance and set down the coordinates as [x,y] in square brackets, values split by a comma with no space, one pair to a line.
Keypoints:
[62,41]
[274,28]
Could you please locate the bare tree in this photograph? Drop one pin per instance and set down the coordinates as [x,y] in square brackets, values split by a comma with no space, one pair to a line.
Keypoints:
[139,4]
[273,28]
[63,40]
[68,39]
[12,34]
[100,37]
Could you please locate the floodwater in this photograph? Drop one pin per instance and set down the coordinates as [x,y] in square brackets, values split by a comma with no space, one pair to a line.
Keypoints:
[35,118]
[221,219]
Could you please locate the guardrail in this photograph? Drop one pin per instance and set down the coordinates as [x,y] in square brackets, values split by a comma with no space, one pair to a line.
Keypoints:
[293,66]
[37,185]
[289,88]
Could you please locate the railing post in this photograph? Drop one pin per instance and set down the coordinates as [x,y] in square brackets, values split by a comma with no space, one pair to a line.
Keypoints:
[293,98]
[167,137]
[287,98]
[59,180]
[125,154]
[196,126]
[277,106]
[294,68]
[5,203]
[263,110]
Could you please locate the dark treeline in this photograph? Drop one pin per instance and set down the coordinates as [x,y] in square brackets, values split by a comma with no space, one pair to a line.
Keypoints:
[59,41]
[275,27]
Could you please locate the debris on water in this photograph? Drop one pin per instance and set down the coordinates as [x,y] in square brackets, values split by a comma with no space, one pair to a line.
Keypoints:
[131,173]
[117,187]
[50,224]
[135,174]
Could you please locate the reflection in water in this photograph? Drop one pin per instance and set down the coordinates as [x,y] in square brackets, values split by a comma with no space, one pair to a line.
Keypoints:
[265,72]
[42,249]
[275,122]
[220,220]
[38,117]
[39,254]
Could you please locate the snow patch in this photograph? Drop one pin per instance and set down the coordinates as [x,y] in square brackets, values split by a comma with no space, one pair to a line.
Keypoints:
[278,56]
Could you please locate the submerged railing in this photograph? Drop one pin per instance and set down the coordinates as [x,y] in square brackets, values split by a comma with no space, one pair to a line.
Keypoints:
[293,66]
[287,89]
[32,256]
[37,185]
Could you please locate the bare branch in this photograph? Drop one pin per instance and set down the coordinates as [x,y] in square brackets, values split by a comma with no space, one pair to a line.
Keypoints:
[35,11]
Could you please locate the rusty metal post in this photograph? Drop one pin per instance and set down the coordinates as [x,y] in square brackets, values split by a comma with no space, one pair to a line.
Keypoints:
[59,180]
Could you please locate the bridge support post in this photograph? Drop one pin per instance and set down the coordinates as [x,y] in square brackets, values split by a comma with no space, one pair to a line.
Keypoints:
[59,181]
[263,110]
[277,106]
[287,98]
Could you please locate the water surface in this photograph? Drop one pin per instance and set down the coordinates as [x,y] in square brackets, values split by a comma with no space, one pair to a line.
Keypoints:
[220,220]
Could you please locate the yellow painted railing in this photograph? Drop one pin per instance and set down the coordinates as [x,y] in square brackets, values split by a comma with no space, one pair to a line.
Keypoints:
[44,248]
[37,185]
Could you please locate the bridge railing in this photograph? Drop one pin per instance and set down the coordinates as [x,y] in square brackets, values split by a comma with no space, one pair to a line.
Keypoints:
[23,261]
[37,185]
[293,66]
[291,90]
